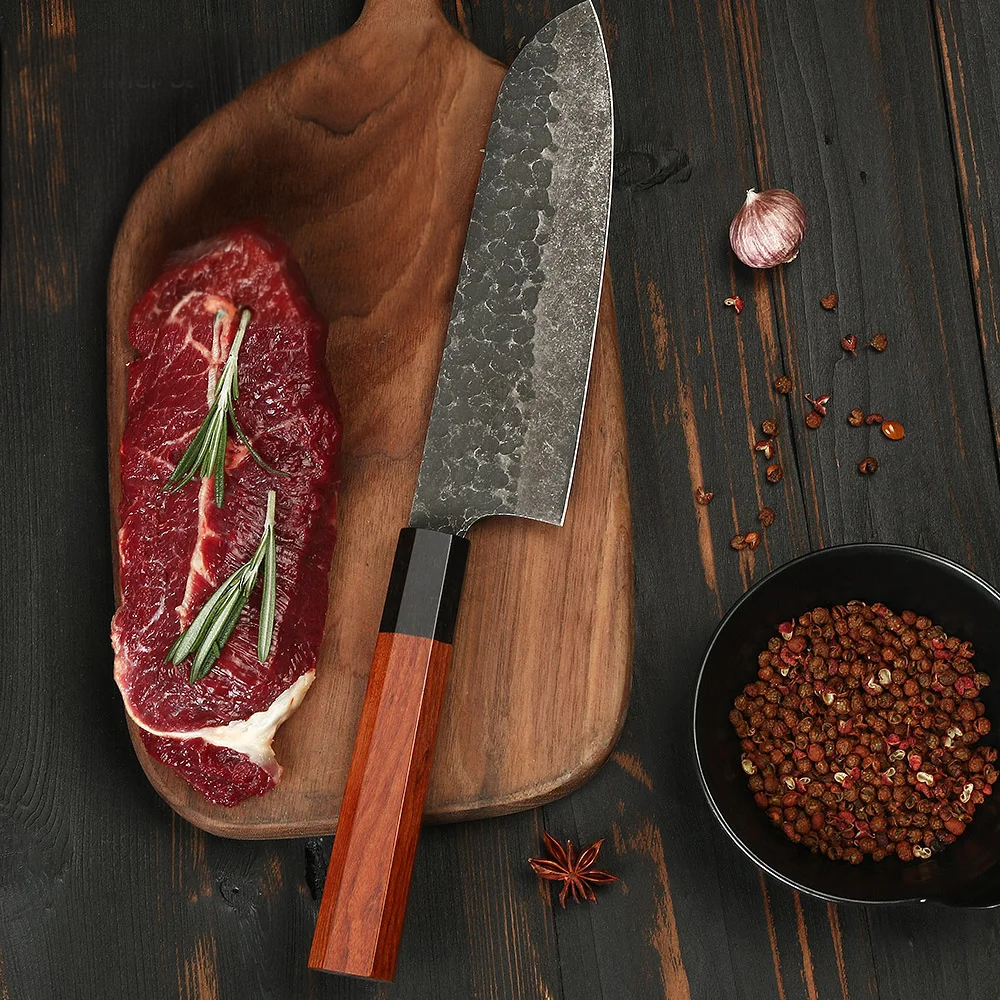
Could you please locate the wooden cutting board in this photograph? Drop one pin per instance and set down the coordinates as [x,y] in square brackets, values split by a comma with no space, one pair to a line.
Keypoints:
[364,155]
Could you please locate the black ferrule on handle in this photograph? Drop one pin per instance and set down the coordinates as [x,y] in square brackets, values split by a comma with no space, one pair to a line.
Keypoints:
[425,584]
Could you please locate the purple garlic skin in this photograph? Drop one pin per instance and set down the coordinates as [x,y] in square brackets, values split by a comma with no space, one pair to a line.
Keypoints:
[768,228]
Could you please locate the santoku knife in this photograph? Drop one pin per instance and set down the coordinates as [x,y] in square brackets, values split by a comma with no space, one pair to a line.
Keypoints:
[502,439]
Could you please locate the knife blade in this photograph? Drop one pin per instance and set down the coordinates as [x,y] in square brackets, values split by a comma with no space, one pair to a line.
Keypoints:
[502,440]
[507,411]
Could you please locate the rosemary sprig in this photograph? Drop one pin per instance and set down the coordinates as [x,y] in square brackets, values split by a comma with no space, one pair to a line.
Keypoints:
[205,637]
[206,454]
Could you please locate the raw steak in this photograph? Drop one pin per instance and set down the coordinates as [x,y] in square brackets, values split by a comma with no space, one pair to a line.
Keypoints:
[176,548]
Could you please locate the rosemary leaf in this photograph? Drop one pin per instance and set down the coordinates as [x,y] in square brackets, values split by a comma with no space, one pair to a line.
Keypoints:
[219,631]
[218,471]
[206,636]
[249,447]
[192,637]
[265,630]
[206,454]
[194,456]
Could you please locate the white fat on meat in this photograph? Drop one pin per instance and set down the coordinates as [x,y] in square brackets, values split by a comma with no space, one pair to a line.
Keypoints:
[252,736]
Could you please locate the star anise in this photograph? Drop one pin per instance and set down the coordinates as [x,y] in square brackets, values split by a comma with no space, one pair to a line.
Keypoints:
[576,873]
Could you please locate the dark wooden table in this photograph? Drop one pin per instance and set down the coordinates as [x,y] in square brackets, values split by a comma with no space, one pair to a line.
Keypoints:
[883,120]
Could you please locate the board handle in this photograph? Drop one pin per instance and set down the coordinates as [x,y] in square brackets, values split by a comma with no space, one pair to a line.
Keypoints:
[400,10]
[364,900]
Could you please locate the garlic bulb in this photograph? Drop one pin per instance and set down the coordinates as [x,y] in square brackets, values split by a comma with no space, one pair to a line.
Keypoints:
[768,228]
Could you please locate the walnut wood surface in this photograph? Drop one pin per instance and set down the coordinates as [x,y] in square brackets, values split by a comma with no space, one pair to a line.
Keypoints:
[364,154]
[368,881]
[883,118]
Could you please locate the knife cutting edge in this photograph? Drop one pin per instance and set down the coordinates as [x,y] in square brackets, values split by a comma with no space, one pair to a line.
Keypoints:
[502,440]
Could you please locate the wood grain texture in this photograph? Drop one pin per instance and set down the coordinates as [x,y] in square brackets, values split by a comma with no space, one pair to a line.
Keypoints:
[971,79]
[367,884]
[844,107]
[868,111]
[364,155]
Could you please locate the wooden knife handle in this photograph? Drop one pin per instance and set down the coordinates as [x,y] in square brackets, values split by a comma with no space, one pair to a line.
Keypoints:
[361,915]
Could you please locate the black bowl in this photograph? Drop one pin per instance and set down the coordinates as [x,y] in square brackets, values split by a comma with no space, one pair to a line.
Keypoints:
[967,873]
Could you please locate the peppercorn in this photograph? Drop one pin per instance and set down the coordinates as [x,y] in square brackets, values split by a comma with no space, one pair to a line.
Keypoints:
[766,517]
[782,385]
[738,542]
[856,417]
[871,770]
[769,427]
[813,420]
[818,403]
[867,466]
[879,342]
[774,473]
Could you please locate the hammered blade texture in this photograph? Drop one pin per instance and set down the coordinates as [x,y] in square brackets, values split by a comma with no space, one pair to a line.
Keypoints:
[505,422]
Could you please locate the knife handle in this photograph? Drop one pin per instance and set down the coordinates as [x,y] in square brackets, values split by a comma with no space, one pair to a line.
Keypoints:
[361,915]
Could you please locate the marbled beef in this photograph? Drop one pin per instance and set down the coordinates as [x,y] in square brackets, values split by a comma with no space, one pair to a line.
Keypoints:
[176,548]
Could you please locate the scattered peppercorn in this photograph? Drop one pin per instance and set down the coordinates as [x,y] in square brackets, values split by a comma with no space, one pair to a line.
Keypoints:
[813,420]
[867,466]
[873,418]
[819,403]
[766,446]
[893,430]
[849,344]
[748,541]
[879,342]
[702,496]
[857,737]
[774,473]
[769,428]
[766,517]
[736,302]
[782,385]
[829,301]
[856,417]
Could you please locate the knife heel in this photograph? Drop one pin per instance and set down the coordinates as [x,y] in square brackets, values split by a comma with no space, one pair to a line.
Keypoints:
[364,900]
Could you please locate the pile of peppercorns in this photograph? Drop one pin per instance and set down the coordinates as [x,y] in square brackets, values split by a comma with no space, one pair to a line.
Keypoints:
[859,737]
